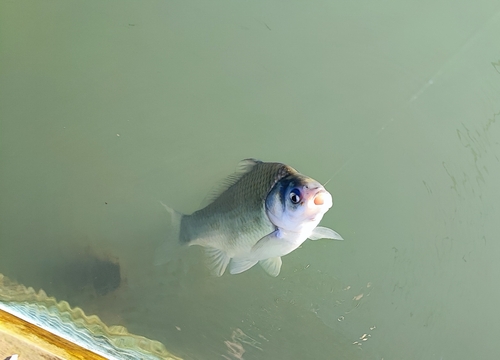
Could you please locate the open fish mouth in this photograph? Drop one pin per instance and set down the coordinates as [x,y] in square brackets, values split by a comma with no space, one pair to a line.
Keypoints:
[323,198]
[319,199]
[319,204]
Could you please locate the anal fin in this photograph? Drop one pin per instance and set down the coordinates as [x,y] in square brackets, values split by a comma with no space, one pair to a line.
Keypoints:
[239,265]
[217,260]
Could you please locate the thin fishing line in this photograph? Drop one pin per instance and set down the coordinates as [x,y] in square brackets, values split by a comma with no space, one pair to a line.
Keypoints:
[362,150]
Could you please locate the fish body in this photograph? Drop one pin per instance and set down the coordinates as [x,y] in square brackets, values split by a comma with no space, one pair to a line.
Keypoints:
[263,211]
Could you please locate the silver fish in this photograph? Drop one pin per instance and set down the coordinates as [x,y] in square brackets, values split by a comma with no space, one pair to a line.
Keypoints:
[264,211]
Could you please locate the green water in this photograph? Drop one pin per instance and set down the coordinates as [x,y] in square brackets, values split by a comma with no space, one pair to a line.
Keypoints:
[108,107]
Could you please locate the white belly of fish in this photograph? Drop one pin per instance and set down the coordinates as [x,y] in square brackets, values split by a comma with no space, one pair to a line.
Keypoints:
[241,252]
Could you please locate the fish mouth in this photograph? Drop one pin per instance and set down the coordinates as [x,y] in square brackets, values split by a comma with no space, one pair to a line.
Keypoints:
[319,199]
[319,204]
[323,198]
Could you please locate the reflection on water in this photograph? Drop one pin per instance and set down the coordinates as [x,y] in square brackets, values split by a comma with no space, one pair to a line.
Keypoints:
[398,102]
[72,324]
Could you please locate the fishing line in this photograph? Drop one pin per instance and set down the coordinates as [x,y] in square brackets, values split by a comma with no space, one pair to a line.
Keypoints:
[362,150]
[452,58]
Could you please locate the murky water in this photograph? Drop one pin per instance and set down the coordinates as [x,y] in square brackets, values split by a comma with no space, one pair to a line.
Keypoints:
[107,108]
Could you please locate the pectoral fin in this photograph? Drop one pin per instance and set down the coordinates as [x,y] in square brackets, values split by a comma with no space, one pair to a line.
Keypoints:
[272,265]
[217,260]
[239,265]
[270,245]
[320,232]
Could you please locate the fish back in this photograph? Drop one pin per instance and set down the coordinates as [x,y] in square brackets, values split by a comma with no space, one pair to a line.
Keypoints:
[240,205]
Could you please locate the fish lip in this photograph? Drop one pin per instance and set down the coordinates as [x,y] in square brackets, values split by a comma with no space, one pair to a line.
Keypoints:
[322,190]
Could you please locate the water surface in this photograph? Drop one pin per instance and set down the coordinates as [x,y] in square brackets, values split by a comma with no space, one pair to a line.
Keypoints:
[107,108]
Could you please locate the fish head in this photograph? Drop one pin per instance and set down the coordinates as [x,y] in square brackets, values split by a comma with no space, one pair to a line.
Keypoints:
[297,203]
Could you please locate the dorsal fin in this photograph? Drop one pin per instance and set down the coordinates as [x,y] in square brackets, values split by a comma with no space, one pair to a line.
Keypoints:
[244,167]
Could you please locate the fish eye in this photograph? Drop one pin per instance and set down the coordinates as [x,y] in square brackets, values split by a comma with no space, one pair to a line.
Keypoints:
[295,196]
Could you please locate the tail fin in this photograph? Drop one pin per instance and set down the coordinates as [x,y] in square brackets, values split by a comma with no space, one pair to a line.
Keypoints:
[175,217]
[170,246]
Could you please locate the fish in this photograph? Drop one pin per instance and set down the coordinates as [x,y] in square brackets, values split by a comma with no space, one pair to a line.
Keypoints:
[263,211]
